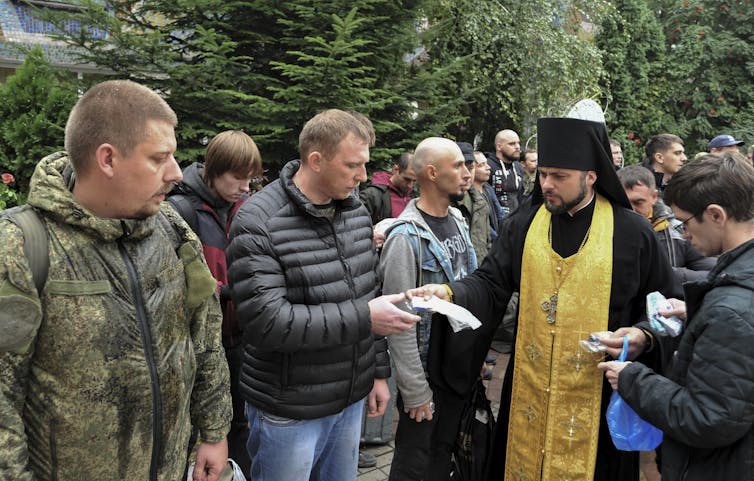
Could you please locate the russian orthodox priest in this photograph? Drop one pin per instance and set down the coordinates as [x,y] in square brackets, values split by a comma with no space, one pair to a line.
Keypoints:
[583,262]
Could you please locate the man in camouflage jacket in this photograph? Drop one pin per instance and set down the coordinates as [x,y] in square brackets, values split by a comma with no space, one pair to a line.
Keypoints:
[104,372]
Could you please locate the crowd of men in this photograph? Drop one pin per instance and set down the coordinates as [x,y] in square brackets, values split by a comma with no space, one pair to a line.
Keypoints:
[265,325]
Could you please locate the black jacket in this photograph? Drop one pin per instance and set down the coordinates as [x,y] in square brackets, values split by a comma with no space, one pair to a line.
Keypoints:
[705,406]
[301,281]
[376,199]
[507,181]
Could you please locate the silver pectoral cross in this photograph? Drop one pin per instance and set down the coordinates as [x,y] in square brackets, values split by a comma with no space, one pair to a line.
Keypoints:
[551,307]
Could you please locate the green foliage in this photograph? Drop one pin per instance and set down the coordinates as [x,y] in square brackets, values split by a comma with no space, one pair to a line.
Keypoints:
[711,50]
[179,47]
[522,60]
[430,67]
[636,82]
[266,66]
[8,196]
[34,107]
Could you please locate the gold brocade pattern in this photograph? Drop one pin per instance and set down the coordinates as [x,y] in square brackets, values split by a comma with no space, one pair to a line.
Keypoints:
[555,406]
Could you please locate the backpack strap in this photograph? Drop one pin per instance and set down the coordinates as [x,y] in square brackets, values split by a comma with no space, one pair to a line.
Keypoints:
[186,208]
[36,246]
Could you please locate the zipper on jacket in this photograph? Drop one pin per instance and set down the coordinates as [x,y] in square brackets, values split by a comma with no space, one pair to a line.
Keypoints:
[146,339]
[53,451]
[343,260]
[352,286]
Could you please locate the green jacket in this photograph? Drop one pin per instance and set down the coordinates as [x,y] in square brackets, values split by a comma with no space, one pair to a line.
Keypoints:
[102,376]
[476,211]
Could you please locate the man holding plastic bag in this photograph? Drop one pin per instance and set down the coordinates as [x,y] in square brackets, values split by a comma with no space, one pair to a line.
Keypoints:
[705,403]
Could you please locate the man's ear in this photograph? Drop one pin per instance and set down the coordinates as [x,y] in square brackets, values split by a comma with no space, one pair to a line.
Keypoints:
[431,170]
[104,157]
[314,160]
[591,177]
[717,213]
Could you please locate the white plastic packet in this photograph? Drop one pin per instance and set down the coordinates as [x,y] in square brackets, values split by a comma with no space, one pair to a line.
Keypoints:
[663,326]
[593,344]
[232,472]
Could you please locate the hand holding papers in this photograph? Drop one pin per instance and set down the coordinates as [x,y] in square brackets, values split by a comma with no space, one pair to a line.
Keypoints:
[660,324]
[458,317]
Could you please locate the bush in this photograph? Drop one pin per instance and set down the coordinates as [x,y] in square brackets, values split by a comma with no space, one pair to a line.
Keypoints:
[34,106]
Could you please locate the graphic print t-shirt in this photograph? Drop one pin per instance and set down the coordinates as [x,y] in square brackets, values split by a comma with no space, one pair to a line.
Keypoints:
[446,231]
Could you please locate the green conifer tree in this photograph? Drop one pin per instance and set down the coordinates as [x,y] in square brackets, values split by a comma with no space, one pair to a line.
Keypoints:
[34,105]
[266,66]
[710,52]
[633,55]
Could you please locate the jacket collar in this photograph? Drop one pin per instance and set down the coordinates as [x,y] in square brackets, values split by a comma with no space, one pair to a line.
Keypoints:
[193,184]
[303,202]
[733,268]
[51,193]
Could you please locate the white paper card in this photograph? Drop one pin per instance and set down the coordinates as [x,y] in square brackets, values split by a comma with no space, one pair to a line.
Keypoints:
[458,317]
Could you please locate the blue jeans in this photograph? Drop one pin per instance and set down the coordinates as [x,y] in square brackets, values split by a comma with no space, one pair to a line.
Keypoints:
[322,449]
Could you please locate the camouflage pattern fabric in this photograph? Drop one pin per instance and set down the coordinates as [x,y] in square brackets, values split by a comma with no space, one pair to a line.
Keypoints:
[77,369]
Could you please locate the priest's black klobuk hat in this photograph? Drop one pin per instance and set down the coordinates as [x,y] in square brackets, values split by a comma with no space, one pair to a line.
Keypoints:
[569,143]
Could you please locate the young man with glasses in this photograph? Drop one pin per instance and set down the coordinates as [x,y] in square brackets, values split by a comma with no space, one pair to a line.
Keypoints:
[704,403]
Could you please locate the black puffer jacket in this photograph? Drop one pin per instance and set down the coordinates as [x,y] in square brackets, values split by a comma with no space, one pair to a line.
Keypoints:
[301,281]
[706,404]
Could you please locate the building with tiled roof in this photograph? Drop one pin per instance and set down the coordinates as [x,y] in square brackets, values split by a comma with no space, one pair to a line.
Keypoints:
[22,26]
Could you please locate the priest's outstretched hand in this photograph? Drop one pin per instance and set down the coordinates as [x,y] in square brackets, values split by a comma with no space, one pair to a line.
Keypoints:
[428,290]
[637,342]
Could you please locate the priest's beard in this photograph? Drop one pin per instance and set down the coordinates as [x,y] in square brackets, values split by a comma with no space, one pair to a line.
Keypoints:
[567,205]
[457,197]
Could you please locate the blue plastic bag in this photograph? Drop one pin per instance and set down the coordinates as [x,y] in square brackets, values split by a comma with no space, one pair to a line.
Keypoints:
[628,430]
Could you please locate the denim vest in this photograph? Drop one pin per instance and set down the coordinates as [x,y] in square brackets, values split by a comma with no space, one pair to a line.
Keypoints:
[436,266]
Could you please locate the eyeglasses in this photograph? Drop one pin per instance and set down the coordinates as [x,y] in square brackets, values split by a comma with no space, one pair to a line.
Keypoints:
[681,228]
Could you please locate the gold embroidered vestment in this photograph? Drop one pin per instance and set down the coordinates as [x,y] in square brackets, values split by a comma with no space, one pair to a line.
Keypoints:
[557,388]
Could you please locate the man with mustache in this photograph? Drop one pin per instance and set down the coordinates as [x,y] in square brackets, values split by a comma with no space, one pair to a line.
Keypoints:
[583,262]
[507,176]
[429,243]
[105,370]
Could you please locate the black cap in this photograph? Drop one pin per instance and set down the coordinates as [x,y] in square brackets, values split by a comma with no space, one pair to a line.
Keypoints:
[467,150]
[577,144]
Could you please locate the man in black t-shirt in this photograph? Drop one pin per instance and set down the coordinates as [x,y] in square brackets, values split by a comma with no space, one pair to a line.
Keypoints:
[429,243]
[450,237]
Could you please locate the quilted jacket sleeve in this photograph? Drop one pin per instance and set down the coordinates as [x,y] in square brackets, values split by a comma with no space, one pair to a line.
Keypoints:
[262,293]
[713,403]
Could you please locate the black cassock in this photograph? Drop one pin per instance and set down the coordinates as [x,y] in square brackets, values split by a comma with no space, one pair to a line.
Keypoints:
[639,267]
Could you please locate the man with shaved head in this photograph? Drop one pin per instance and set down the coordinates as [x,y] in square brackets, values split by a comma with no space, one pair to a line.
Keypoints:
[507,176]
[429,243]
